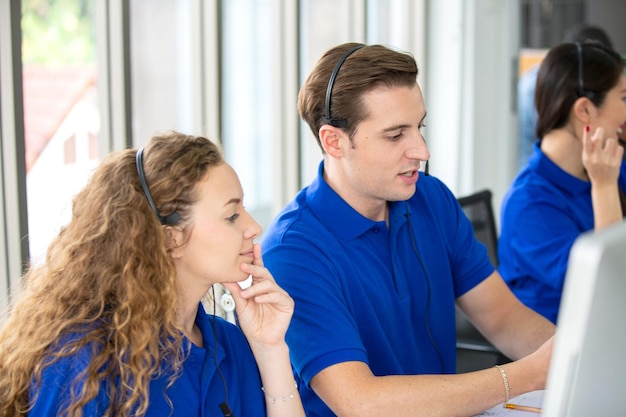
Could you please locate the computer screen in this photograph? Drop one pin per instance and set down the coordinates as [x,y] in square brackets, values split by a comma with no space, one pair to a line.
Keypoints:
[587,375]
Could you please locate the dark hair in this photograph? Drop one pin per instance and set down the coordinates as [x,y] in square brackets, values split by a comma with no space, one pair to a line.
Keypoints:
[364,70]
[559,86]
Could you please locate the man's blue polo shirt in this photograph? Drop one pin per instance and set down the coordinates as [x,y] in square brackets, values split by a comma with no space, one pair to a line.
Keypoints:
[197,392]
[367,292]
[543,213]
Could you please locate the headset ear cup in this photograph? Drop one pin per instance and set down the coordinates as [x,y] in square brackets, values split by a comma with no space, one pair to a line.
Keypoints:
[170,219]
[227,302]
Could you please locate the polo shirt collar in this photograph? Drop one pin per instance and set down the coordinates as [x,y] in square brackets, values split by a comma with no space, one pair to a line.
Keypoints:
[553,174]
[335,213]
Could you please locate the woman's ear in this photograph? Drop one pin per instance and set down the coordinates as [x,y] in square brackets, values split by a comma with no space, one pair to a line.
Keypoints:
[584,110]
[174,241]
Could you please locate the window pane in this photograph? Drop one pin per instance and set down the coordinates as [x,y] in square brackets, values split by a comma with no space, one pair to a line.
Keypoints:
[386,22]
[320,31]
[61,113]
[248,100]
[163,48]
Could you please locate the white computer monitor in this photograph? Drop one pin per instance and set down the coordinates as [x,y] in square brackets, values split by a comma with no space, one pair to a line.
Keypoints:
[587,375]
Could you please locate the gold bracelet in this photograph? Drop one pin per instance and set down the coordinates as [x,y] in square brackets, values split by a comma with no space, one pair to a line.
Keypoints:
[507,389]
[284,398]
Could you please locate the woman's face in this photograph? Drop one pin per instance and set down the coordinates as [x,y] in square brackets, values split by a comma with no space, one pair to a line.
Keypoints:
[611,114]
[221,233]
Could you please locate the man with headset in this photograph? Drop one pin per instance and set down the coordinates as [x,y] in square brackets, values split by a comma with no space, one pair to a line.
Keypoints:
[375,253]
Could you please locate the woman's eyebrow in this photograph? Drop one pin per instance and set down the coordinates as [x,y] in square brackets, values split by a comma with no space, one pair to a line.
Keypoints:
[233,201]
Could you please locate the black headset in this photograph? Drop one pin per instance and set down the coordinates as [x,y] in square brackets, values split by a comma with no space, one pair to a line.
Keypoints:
[168,220]
[407,214]
[337,122]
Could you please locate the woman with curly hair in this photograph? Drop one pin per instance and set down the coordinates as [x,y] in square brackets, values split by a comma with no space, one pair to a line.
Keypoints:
[112,323]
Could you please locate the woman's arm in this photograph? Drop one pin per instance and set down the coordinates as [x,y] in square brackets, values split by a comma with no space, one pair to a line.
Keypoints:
[602,158]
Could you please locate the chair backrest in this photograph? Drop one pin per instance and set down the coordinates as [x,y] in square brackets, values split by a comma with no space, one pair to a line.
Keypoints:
[478,208]
[474,352]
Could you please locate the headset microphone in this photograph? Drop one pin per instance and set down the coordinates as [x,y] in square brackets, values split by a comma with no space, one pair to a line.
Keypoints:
[226,410]
[426,168]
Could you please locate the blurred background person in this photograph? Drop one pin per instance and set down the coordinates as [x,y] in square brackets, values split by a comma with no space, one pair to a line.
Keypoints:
[527,112]
[575,179]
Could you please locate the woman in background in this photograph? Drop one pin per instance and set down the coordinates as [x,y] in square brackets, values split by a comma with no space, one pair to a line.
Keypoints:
[112,324]
[575,179]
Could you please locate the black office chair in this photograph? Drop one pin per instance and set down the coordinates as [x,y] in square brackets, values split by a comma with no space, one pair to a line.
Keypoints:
[474,352]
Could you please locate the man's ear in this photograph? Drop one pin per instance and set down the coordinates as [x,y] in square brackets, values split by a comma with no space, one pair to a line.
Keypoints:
[584,110]
[330,138]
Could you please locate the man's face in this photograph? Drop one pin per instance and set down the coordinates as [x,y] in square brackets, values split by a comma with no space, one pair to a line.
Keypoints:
[387,149]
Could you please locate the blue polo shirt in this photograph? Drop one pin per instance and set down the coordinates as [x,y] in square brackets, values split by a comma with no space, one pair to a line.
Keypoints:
[368,292]
[197,392]
[542,214]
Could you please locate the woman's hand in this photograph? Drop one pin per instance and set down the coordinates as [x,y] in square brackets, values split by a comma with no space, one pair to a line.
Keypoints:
[264,309]
[602,157]
[264,312]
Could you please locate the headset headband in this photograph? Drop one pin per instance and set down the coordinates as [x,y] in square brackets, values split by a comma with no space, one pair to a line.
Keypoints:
[170,219]
[339,122]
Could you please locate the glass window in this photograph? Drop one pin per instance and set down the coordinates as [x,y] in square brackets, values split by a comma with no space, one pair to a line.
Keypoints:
[62,120]
[164,49]
[387,22]
[248,100]
[319,31]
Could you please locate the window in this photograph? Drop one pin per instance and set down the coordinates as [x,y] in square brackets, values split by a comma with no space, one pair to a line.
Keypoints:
[59,90]
[248,100]
[164,55]
[320,31]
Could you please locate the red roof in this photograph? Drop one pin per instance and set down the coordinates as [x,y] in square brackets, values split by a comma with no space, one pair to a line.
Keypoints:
[49,95]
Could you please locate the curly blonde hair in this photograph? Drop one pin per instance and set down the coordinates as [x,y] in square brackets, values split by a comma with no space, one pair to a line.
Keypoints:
[108,284]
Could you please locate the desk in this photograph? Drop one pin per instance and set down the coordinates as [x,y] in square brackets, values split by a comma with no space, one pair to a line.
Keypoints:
[534,399]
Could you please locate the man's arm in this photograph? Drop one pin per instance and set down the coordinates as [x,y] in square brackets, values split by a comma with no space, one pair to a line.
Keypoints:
[350,388]
[512,327]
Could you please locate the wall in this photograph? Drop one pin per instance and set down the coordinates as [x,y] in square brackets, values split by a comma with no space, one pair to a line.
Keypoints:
[611,15]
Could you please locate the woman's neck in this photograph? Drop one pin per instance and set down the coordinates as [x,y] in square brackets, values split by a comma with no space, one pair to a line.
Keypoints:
[187,320]
[564,148]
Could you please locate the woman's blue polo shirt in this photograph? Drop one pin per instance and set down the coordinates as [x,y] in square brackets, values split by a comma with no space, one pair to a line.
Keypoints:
[544,211]
[197,392]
